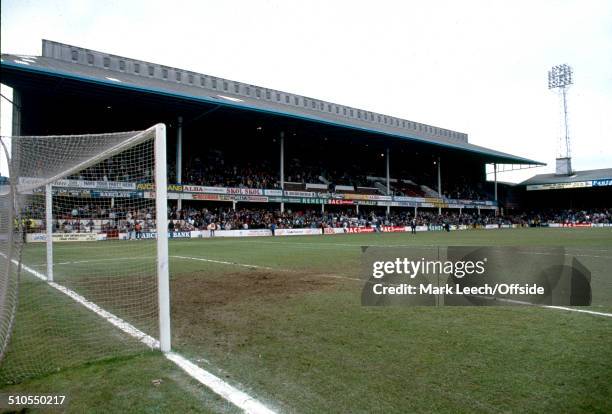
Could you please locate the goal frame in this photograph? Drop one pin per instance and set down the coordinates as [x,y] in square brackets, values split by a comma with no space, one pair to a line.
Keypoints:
[161,218]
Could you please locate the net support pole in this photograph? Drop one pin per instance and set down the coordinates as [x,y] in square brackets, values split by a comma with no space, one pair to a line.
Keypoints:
[282,167]
[179,157]
[49,226]
[388,181]
[161,208]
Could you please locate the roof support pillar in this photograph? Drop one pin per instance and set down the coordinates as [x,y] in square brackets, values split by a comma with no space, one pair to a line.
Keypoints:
[16,113]
[495,187]
[282,167]
[179,157]
[439,184]
[388,181]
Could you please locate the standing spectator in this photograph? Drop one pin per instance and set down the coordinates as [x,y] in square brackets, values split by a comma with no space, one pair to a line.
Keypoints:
[138,228]
[129,229]
[273,228]
[211,228]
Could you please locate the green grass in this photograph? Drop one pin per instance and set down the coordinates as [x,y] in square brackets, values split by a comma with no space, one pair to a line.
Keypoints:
[297,337]
[129,384]
[415,360]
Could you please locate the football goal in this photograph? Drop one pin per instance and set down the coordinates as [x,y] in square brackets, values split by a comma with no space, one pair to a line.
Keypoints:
[83,250]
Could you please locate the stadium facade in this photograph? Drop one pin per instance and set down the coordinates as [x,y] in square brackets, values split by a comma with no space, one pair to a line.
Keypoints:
[70,90]
[580,189]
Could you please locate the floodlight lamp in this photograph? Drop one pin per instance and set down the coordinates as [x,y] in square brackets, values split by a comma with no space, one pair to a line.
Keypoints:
[560,76]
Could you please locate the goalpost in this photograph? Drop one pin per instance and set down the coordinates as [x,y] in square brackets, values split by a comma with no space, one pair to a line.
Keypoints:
[83,250]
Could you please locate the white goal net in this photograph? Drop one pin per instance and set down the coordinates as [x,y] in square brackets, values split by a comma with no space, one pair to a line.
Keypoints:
[83,275]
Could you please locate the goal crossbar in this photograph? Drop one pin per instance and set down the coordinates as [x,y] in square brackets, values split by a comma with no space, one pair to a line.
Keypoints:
[116,149]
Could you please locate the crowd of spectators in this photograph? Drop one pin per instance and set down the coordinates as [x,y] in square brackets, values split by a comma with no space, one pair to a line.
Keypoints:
[227,219]
[99,219]
[568,216]
[466,191]
[129,168]
[215,171]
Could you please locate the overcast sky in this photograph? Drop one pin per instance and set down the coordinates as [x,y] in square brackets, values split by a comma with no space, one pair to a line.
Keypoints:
[478,67]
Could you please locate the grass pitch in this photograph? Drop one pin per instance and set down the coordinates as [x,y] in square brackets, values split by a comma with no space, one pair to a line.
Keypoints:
[291,331]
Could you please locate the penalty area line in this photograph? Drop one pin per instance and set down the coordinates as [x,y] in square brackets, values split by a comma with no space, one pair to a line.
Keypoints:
[275,269]
[224,262]
[537,305]
[565,308]
[211,381]
[95,261]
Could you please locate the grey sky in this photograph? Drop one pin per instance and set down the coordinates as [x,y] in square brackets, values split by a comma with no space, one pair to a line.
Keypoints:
[474,66]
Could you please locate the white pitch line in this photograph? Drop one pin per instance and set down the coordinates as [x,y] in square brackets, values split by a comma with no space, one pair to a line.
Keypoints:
[222,262]
[296,243]
[104,260]
[214,383]
[588,249]
[220,387]
[341,277]
[95,261]
[566,254]
[276,269]
[520,302]
[578,310]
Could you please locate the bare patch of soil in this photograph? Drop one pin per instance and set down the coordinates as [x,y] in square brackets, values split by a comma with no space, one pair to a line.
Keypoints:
[223,309]
[197,289]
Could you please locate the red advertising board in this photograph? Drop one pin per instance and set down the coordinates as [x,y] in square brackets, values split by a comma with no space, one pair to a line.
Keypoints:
[360,230]
[393,229]
[335,201]
[215,197]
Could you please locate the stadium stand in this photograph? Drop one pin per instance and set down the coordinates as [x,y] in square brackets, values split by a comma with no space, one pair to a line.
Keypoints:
[216,169]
